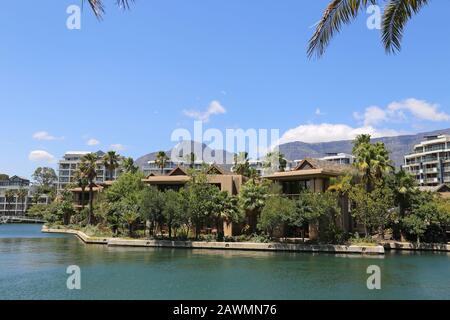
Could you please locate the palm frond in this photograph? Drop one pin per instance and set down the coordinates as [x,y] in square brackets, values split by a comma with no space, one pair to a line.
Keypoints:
[124,4]
[396,15]
[337,13]
[98,7]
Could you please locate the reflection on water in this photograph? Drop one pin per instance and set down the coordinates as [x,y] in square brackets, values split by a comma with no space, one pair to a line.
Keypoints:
[34,267]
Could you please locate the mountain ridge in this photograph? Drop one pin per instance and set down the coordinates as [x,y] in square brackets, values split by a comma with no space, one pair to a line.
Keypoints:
[398,147]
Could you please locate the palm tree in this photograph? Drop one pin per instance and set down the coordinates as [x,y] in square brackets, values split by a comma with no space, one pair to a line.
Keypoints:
[10,195]
[241,164]
[252,200]
[381,164]
[161,160]
[111,162]
[190,159]
[339,12]
[128,165]
[22,194]
[275,160]
[88,167]
[98,7]
[82,183]
[405,188]
[130,217]
[372,160]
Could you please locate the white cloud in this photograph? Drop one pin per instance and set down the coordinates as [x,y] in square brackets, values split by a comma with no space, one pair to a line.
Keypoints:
[214,108]
[44,135]
[325,132]
[117,147]
[93,142]
[399,111]
[420,109]
[41,156]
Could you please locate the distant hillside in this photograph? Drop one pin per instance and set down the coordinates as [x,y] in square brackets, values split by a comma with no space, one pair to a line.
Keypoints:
[398,146]
[185,147]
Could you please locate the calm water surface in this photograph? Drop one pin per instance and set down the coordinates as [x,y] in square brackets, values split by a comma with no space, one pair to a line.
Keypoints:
[33,266]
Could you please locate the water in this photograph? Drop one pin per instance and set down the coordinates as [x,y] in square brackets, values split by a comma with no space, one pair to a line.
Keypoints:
[33,266]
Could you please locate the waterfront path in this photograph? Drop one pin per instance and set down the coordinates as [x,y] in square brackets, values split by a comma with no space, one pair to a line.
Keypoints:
[246,246]
[409,246]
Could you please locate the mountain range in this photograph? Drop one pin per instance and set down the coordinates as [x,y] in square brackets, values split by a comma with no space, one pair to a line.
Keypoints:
[398,146]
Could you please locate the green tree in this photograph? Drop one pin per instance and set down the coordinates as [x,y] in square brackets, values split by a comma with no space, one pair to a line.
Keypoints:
[161,160]
[151,206]
[129,215]
[316,208]
[82,182]
[123,197]
[339,12]
[88,168]
[129,185]
[111,162]
[405,189]
[373,209]
[277,211]
[428,218]
[45,179]
[421,216]
[38,211]
[65,208]
[44,176]
[242,164]
[200,199]
[10,197]
[190,159]
[252,200]
[226,210]
[128,166]
[173,210]
[22,195]
[442,218]
[372,161]
[275,161]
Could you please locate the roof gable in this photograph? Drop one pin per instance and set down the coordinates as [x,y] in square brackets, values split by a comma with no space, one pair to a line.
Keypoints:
[443,188]
[178,171]
[305,165]
[214,169]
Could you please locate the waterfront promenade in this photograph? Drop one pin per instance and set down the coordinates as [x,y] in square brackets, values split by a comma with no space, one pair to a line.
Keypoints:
[243,246]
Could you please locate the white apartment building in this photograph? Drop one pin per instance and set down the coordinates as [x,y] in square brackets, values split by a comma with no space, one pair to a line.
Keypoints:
[17,206]
[339,158]
[430,161]
[70,164]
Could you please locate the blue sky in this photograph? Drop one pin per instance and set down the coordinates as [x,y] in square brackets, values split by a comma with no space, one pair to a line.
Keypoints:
[127,82]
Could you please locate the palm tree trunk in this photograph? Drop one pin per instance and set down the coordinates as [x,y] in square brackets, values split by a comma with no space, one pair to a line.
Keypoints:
[83,190]
[91,202]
